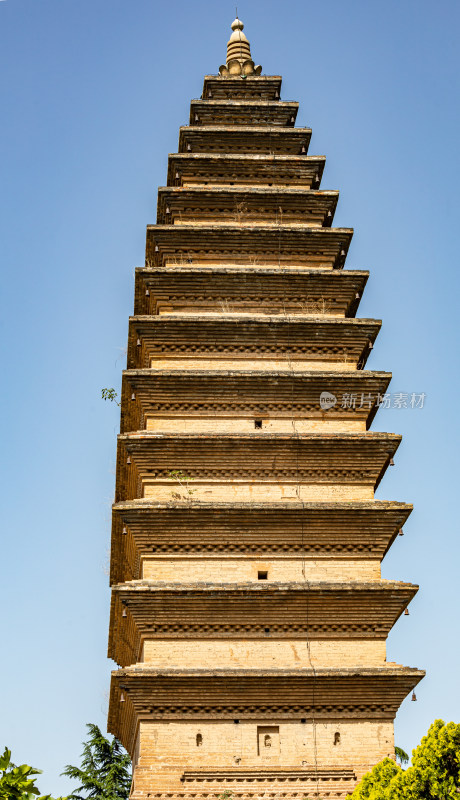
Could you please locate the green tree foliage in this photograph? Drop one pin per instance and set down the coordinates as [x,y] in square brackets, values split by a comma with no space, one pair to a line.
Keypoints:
[375,784]
[105,772]
[401,756]
[110,394]
[434,774]
[18,783]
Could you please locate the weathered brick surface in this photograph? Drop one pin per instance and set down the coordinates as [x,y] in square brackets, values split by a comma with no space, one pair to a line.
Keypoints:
[271,654]
[264,364]
[227,569]
[167,751]
[254,491]
[241,425]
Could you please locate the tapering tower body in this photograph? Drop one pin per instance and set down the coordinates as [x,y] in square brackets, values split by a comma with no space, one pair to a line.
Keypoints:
[249,618]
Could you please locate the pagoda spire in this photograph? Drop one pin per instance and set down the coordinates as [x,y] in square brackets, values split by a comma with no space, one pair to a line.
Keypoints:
[239,60]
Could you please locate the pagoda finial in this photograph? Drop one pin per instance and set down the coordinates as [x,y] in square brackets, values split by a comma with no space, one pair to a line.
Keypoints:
[239,61]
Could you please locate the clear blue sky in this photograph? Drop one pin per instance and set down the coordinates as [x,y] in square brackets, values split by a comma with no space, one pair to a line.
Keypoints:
[92,96]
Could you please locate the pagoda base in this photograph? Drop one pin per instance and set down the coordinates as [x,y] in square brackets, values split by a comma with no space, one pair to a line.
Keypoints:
[288,782]
[272,758]
[322,784]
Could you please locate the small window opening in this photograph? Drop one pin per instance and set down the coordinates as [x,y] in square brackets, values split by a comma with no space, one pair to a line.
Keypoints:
[236,721]
[266,630]
[262,576]
[257,423]
[336,737]
[268,740]
[199,740]
[303,721]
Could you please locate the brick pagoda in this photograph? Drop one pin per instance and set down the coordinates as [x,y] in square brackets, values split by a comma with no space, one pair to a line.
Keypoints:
[248,616]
